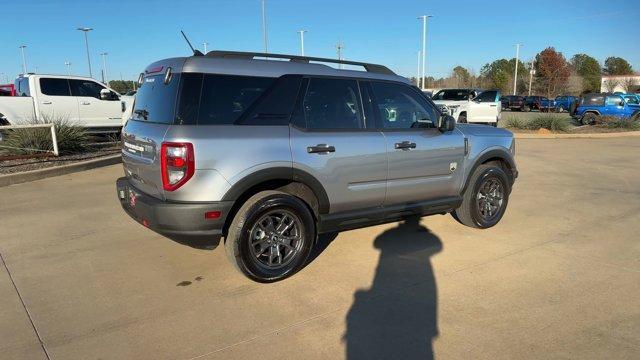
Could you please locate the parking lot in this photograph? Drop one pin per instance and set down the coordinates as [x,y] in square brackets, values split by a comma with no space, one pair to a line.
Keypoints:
[557,278]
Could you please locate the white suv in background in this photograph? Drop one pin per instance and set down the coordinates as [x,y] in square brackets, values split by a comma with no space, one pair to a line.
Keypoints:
[79,100]
[470,105]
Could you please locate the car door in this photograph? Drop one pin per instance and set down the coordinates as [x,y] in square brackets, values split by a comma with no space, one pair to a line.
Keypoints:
[331,140]
[614,106]
[93,110]
[54,101]
[424,163]
[485,107]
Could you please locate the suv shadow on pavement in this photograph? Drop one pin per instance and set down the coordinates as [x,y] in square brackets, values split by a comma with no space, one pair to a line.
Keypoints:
[397,317]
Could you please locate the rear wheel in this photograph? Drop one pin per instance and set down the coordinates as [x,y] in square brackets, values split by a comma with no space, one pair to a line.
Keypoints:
[485,199]
[271,236]
[589,119]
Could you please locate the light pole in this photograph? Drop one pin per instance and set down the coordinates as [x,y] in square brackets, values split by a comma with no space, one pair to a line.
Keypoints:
[68,65]
[339,47]
[86,42]
[264,27]
[424,47]
[418,83]
[301,32]
[24,59]
[515,75]
[105,79]
[205,47]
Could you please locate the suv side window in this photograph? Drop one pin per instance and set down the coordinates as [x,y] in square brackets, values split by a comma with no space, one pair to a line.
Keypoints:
[85,88]
[332,104]
[614,100]
[400,107]
[54,87]
[489,96]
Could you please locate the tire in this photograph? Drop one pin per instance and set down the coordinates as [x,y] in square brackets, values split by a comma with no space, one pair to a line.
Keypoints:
[588,119]
[462,119]
[258,219]
[526,109]
[471,212]
[560,109]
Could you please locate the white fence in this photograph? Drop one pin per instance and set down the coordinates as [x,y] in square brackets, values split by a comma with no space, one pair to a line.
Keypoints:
[54,140]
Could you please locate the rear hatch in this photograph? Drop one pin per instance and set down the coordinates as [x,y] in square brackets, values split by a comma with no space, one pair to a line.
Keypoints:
[142,136]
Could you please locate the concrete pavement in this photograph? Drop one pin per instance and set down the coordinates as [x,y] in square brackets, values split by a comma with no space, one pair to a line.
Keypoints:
[557,278]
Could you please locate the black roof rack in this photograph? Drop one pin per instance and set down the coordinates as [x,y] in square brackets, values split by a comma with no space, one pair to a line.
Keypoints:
[295,58]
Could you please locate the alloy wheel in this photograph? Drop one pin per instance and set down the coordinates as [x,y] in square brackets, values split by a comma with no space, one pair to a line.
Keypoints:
[275,239]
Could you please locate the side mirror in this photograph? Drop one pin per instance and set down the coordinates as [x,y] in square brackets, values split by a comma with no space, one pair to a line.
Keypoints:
[447,123]
[105,94]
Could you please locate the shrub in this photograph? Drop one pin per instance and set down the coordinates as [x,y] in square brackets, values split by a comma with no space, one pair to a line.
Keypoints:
[613,122]
[552,123]
[71,138]
[512,122]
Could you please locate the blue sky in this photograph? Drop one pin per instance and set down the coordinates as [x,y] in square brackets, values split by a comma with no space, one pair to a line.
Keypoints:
[467,33]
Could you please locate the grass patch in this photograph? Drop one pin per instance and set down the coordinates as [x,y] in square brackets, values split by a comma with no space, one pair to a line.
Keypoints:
[552,123]
[612,122]
[72,139]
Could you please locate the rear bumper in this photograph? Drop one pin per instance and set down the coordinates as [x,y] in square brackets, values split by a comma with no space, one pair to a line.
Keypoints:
[168,217]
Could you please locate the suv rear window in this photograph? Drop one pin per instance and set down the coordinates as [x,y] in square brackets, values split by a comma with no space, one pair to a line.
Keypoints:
[208,99]
[155,101]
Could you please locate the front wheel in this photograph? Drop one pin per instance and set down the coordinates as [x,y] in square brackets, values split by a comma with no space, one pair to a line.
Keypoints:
[271,236]
[485,199]
[589,119]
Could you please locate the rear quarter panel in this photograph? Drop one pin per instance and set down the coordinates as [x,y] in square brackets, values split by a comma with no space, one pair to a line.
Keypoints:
[17,110]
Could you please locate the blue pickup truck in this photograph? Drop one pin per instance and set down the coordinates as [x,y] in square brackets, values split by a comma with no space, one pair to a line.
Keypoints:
[594,105]
[563,102]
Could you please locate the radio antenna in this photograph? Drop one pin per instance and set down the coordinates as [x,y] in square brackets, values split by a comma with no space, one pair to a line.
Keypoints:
[195,52]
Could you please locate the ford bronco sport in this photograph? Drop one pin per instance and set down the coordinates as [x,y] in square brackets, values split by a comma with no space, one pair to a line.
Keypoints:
[269,153]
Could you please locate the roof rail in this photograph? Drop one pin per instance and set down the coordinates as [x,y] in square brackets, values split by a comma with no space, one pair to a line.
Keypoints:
[381,69]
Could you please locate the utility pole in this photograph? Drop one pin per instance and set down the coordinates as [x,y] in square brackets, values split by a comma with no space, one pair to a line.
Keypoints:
[105,79]
[85,30]
[24,59]
[205,47]
[264,27]
[339,47]
[68,65]
[532,72]
[424,47]
[515,75]
[301,32]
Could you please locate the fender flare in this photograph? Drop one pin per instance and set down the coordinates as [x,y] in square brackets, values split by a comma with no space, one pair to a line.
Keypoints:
[280,173]
[502,154]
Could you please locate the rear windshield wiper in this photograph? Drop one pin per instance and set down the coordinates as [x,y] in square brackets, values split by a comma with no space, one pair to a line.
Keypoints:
[143,113]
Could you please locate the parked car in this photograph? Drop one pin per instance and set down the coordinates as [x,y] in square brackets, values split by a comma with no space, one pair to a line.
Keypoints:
[539,103]
[513,102]
[470,105]
[606,104]
[79,100]
[563,102]
[7,90]
[287,150]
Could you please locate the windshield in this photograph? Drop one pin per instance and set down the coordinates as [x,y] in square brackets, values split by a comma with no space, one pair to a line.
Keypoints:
[155,100]
[452,94]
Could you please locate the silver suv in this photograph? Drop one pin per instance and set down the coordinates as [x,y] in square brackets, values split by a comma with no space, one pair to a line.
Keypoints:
[268,151]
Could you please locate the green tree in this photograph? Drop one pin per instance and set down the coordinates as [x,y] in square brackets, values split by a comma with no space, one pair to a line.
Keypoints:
[589,70]
[462,76]
[499,74]
[121,86]
[617,66]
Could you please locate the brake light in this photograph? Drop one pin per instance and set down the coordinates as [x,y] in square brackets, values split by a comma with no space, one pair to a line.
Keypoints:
[177,164]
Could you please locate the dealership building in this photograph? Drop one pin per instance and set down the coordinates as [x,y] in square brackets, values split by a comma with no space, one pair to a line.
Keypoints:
[620,83]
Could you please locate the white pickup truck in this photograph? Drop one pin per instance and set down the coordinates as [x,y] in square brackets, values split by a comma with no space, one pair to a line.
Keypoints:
[470,105]
[79,100]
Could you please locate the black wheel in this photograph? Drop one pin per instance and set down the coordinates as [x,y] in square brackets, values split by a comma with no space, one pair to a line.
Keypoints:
[462,119]
[526,109]
[271,236]
[485,199]
[589,119]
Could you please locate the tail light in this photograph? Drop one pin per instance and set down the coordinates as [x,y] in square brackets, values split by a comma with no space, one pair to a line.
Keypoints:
[177,164]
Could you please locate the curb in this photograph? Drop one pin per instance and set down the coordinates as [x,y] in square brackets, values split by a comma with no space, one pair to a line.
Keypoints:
[577,136]
[11,179]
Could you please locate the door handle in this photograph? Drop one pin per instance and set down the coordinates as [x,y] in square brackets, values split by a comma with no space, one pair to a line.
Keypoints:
[494,105]
[46,102]
[321,149]
[405,145]
[86,103]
